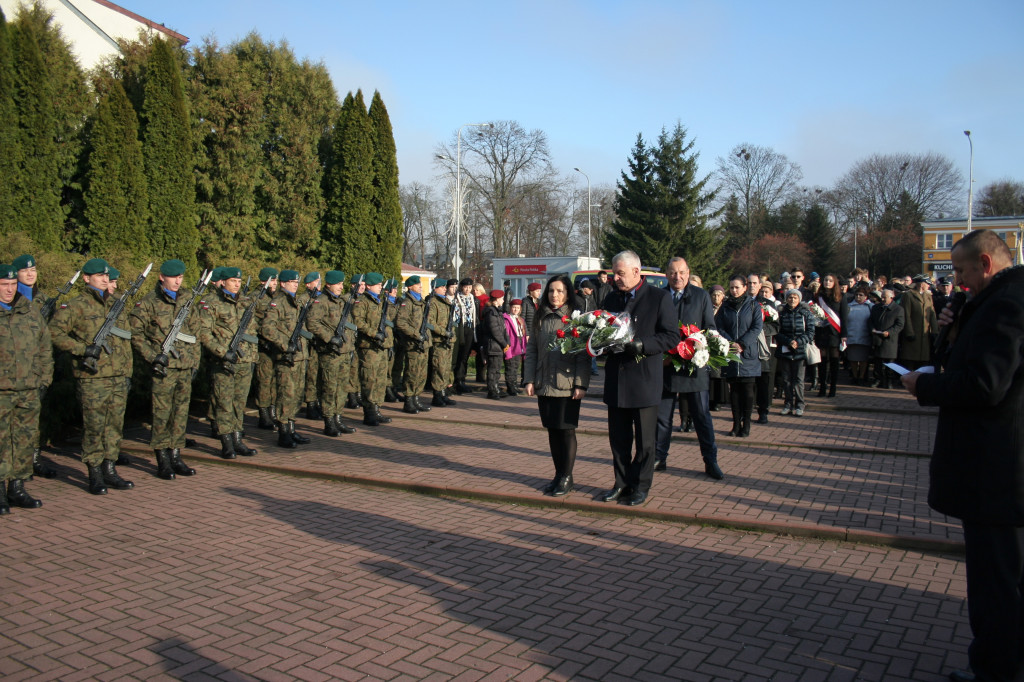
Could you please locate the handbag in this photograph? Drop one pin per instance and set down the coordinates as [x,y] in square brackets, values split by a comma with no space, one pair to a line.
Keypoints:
[813,354]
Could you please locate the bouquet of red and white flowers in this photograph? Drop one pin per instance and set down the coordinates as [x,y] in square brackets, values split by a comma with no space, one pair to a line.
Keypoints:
[818,312]
[700,349]
[769,311]
[594,332]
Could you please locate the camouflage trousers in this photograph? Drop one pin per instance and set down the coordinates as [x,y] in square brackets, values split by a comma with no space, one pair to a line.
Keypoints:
[512,367]
[353,373]
[266,381]
[229,394]
[171,395]
[373,375]
[289,380]
[441,374]
[396,366]
[415,372]
[334,372]
[313,385]
[103,400]
[19,432]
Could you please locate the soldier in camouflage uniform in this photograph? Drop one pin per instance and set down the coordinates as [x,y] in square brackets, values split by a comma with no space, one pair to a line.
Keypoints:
[102,394]
[289,362]
[372,343]
[231,371]
[354,400]
[442,333]
[333,349]
[25,265]
[151,321]
[266,384]
[413,336]
[396,354]
[26,369]
[314,385]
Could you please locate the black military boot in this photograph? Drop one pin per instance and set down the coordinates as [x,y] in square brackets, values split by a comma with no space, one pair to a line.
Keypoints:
[284,437]
[381,419]
[391,395]
[273,415]
[446,398]
[122,459]
[5,508]
[311,411]
[240,447]
[370,415]
[163,464]
[330,428]
[340,425]
[39,467]
[410,405]
[227,446]
[351,403]
[213,429]
[96,484]
[266,421]
[438,399]
[301,440]
[111,477]
[420,406]
[17,496]
[179,467]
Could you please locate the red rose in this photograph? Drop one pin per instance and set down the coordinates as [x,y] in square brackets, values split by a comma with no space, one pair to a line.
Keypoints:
[576,332]
[560,333]
[597,313]
[611,319]
[764,313]
[565,319]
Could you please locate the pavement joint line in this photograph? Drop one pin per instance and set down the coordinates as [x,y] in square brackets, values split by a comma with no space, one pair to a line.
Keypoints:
[855,536]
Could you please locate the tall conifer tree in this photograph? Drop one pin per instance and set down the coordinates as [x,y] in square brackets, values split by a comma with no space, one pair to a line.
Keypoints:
[388,226]
[167,148]
[10,158]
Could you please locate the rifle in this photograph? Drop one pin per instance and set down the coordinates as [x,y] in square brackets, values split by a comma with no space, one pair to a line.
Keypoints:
[161,361]
[101,342]
[299,331]
[384,321]
[245,289]
[231,354]
[50,307]
[450,330]
[339,339]
[425,326]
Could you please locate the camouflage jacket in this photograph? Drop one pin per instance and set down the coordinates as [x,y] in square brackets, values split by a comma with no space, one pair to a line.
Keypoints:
[409,321]
[222,314]
[74,327]
[366,318]
[276,328]
[440,313]
[152,318]
[323,320]
[26,354]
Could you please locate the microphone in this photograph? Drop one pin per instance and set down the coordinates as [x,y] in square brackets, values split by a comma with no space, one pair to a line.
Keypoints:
[956,302]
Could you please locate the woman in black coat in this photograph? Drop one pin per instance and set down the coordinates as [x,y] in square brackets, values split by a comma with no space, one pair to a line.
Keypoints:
[886,324]
[796,331]
[494,342]
[740,320]
[827,338]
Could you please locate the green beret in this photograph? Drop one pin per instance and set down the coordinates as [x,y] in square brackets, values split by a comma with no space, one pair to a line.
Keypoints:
[311,277]
[23,261]
[218,274]
[114,273]
[414,279]
[95,266]
[390,284]
[8,272]
[172,268]
[230,273]
[356,277]
[334,277]
[373,278]
[289,276]
[267,273]
[440,282]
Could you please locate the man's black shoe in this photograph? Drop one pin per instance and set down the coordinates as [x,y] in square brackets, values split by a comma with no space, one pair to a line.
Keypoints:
[614,494]
[660,465]
[636,499]
[711,469]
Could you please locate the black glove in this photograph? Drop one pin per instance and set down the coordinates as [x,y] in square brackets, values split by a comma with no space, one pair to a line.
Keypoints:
[635,347]
[230,357]
[42,392]
[161,360]
[289,358]
[336,343]
[93,351]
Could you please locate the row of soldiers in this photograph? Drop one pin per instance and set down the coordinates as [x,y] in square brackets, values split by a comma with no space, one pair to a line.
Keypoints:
[346,345]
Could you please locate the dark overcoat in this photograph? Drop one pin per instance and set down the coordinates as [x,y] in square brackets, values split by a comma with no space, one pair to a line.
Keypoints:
[977,465]
[628,383]
[694,307]
[886,318]
[919,324]
[741,321]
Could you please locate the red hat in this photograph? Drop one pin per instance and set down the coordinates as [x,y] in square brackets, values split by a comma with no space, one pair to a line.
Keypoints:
[516,301]
[496,294]
[536,286]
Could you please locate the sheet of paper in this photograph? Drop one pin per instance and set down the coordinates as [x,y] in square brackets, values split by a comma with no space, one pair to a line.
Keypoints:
[901,370]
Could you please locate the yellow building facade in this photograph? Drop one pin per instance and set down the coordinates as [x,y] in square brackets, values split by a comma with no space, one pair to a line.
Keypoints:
[940,235]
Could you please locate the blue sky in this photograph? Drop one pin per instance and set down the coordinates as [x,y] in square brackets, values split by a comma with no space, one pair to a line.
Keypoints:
[825,83]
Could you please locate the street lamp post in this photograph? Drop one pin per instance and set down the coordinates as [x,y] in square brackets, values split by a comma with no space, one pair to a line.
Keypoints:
[589,205]
[970,183]
[458,192]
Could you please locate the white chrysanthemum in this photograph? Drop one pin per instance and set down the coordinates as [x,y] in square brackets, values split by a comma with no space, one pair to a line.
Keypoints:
[701,357]
[601,323]
[589,319]
[575,314]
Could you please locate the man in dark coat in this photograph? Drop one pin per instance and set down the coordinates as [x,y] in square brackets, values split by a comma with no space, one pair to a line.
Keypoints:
[691,305]
[977,466]
[886,325]
[632,389]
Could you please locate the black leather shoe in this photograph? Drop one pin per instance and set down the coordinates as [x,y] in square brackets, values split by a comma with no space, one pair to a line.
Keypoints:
[636,499]
[614,494]
[227,446]
[18,497]
[438,399]
[447,400]
[660,465]
[381,419]
[300,440]
[341,426]
[265,421]
[240,447]
[179,467]
[420,406]
[284,437]
[563,487]
[163,464]
[39,467]
[96,484]
[711,469]
[410,405]
[111,477]
[688,425]
[551,486]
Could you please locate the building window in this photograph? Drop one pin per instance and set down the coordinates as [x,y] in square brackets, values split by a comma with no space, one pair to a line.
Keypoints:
[944,241]
[1002,235]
